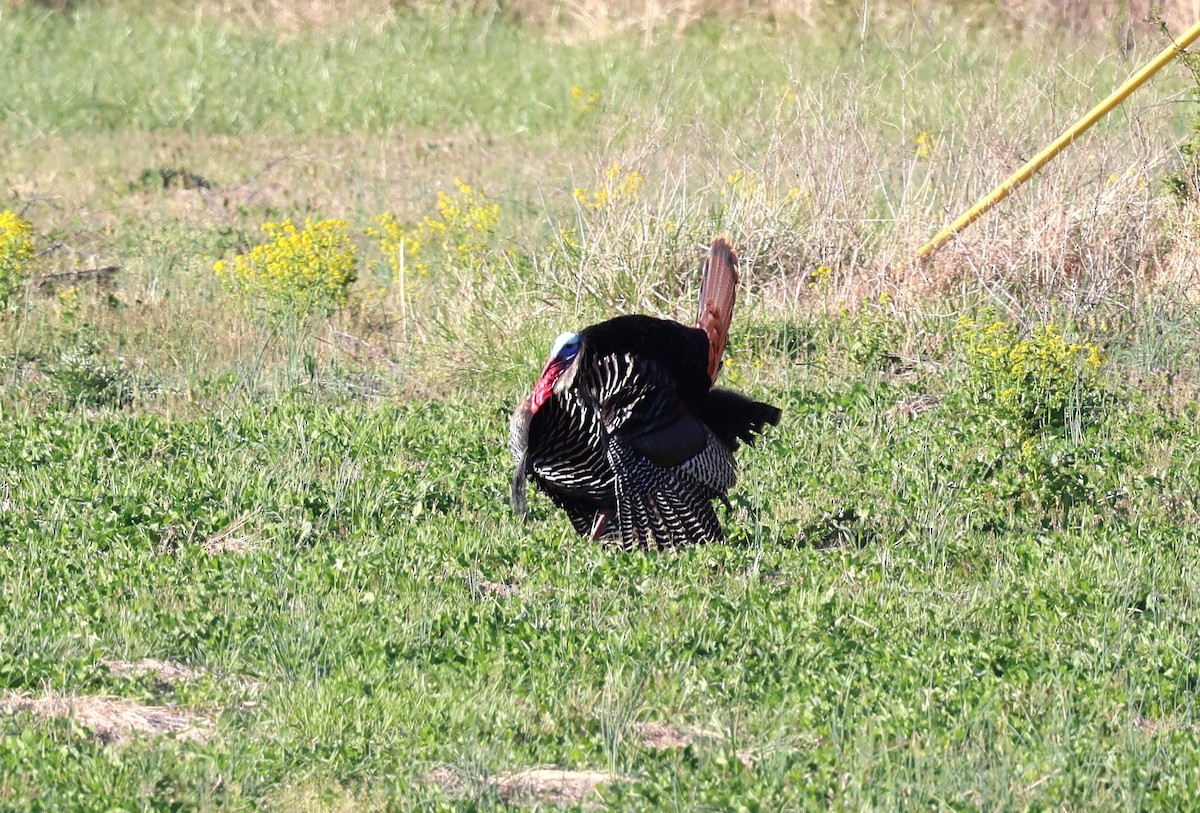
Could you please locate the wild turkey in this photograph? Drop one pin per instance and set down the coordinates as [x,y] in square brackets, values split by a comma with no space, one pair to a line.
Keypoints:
[624,423]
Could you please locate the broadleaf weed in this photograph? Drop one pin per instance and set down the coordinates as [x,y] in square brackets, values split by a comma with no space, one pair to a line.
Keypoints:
[875,332]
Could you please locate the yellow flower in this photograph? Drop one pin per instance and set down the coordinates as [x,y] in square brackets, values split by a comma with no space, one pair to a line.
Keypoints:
[821,275]
[1030,378]
[617,186]
[16,250]
[68,302]
[462,229]
[925,144]
[583,101]
[298,270]
[794,196]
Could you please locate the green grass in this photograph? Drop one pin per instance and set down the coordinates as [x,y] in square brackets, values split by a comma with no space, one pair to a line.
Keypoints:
[930,598]
[875,634]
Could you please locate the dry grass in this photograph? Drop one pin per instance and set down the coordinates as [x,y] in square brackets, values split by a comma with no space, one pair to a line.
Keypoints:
[1178,271]
[551,786]
[532,786]
[231,540]
[1084,244]
[165,671]
[825,180]
[172,673]
[113,720]
[598,19]
[666,737]
[448,779]
[496,589]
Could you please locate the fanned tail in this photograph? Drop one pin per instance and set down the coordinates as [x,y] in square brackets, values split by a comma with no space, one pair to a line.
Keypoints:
[718,293]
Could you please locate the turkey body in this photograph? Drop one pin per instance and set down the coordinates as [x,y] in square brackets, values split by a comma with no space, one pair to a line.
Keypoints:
[627,434]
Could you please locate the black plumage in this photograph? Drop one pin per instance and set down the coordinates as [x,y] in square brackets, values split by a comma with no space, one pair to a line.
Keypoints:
[625,431]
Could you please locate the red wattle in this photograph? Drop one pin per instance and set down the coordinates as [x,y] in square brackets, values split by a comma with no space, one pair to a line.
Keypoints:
[542,392]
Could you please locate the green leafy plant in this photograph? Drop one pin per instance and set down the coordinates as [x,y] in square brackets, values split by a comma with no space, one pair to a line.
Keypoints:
[86,377]
[1030,378]
[874,332]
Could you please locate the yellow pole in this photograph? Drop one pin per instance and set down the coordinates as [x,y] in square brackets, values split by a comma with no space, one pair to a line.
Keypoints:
[1042,158]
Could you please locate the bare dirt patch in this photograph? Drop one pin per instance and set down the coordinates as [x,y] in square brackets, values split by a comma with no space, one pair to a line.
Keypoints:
[912,406]
[172,673]
[166,671]
[448,779]
[665,737]
[552,786]
[112,719]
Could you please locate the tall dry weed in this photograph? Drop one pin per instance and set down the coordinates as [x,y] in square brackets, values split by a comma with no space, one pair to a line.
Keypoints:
[600,19]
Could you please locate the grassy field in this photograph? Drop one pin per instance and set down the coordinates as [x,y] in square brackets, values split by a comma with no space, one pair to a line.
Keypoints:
[255,547]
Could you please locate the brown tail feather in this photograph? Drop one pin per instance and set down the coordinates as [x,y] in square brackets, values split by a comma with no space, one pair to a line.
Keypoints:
[718,292]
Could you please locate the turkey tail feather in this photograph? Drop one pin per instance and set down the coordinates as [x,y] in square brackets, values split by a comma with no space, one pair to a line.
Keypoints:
[733,417]
[718,292]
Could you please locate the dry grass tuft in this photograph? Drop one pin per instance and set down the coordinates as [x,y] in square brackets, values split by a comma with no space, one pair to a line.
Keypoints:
[497,589]
[1076,240]
[551,786]
[114,720]
[172,673]
[666,737]
[912,406]
[593,20]
[1178,270]
[230,540]
[166,671]
[448,779]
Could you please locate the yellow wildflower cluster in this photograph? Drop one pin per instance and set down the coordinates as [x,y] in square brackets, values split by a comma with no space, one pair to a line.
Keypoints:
[617,186]
[16,250]
[746,187]
[1029,378]
[462,231]
[795,195]
[583,101]
[820,275]
[925,144]
[300,270]
[69,304]
[739,177]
